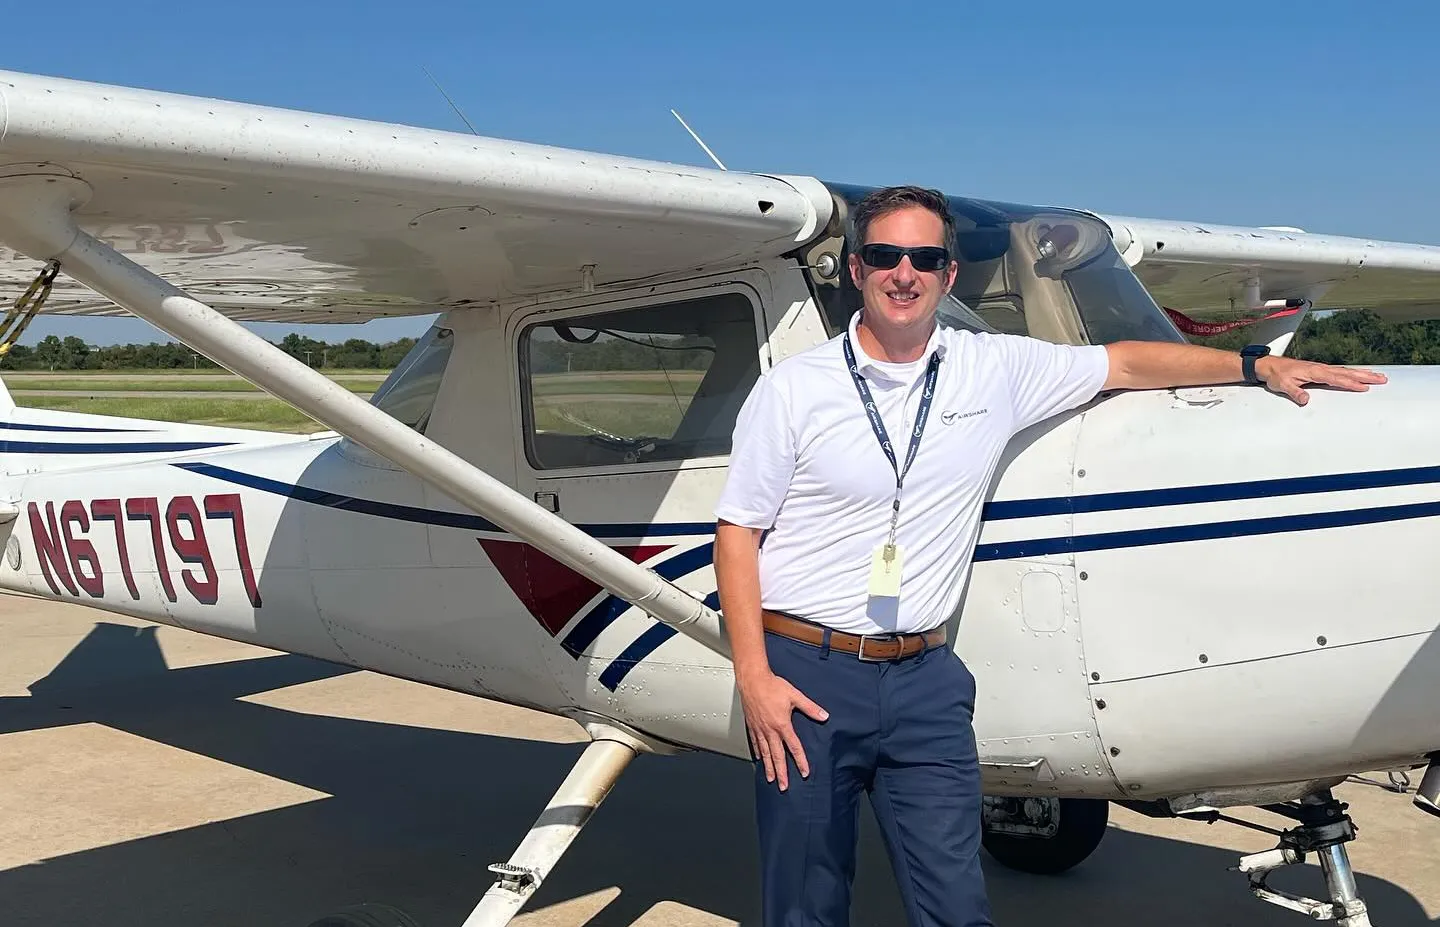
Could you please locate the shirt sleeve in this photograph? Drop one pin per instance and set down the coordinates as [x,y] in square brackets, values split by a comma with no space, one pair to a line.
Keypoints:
[762,459]
[1046,379]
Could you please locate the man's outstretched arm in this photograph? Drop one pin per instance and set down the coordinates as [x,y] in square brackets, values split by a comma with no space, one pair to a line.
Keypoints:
[1158,364]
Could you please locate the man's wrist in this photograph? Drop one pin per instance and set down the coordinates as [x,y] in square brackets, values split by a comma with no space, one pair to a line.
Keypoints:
[748,675]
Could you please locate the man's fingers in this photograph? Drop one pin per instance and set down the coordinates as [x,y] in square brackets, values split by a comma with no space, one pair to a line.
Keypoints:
[798,751]
[777,755]
[762,749]
[811,710]
[1342,377]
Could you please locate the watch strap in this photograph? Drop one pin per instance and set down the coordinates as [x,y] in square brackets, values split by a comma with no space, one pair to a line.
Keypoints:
[1248,356]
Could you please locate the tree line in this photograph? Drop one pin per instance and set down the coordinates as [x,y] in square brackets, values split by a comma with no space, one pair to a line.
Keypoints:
[1356,336]
[72,353]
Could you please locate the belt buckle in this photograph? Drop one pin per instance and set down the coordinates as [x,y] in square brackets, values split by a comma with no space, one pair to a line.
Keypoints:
[860,652]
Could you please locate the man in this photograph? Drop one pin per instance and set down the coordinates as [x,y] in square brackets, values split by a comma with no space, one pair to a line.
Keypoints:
[867,534]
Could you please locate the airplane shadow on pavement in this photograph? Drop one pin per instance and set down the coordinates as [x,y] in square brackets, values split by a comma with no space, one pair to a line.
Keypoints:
[417,814]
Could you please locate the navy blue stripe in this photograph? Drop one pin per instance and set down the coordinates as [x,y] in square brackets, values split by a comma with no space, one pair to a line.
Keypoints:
[652,639]
[643,646]
[21,426]
[47,447]
[1247,527]
[336,500]
[423,516]
[1216,492]
[612,607]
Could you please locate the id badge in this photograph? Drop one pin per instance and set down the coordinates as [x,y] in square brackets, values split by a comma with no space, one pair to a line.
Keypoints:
[885,572]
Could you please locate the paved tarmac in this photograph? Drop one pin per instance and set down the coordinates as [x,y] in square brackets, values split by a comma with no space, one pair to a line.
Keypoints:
[149,776]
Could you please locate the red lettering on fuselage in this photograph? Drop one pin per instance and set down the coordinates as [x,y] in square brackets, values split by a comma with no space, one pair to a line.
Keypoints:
[69,560]
[80,548]
[148,509]
[227,505]
[194,549]
[49,548]
[109,510]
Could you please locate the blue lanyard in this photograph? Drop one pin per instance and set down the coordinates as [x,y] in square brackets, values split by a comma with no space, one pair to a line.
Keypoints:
[932,373]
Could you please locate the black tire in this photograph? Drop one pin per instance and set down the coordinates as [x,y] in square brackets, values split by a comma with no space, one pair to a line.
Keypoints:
[1082,826]
[367,915]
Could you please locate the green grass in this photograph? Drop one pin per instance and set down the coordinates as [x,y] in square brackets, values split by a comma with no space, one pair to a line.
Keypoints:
[263,414]
[180,372]
[623,402]
[657,419]
[87,384]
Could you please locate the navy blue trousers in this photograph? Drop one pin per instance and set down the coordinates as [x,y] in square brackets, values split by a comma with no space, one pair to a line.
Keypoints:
[902,733]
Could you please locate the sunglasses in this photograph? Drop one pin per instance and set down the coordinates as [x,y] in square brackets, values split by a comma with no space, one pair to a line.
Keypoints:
[884,257]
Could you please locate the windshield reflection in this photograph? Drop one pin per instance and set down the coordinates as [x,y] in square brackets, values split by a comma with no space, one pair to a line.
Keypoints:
[1048,273]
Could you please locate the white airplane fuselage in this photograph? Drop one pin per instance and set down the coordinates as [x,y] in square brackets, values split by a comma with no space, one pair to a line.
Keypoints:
[1191,592]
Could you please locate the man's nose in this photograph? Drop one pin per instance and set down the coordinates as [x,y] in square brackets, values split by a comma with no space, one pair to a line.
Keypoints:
[904,271]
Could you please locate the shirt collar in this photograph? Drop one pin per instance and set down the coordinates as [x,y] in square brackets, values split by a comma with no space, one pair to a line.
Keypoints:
[937,344]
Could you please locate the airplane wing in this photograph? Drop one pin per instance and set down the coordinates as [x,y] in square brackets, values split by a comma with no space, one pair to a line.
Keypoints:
[282,216]
[1212,271]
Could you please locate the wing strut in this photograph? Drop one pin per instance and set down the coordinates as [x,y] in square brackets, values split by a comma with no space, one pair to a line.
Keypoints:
[35,219]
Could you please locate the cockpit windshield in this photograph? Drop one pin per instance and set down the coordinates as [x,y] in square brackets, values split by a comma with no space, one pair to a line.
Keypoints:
[409,393]
[1048,273]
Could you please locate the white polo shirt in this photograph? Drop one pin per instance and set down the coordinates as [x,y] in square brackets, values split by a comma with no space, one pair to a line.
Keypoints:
[806,465]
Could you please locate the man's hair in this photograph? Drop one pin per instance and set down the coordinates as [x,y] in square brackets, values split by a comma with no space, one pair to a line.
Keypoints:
[889,199]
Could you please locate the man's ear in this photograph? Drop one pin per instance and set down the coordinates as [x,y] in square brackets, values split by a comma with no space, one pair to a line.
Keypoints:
[857,274]
[950,273]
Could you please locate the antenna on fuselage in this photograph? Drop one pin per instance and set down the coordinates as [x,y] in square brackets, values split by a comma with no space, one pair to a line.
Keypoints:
[448,100]
[699,141]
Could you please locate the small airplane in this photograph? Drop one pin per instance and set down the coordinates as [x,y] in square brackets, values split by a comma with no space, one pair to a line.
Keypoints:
[1183,601]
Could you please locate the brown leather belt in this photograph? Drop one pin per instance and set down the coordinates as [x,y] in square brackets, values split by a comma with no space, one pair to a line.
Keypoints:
[871,648]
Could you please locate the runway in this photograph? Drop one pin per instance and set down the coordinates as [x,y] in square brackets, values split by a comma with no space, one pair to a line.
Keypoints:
[151,776]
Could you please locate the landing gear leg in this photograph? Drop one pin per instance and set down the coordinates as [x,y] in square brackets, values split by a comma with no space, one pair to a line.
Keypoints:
[1324,829]
[572,805]
[557,827]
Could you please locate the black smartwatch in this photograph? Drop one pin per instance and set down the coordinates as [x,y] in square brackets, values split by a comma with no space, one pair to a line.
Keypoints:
[1248,356]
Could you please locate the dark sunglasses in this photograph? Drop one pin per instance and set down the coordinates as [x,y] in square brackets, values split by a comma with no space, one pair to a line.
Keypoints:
[884,257]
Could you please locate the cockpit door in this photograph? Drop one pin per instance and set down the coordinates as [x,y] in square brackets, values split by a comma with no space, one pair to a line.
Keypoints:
[626,409]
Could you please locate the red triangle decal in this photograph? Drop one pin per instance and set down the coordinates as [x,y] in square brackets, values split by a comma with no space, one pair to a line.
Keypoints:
[551,591]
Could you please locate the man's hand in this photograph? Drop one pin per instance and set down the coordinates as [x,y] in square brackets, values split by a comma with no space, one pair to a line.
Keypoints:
[1288,375]
[768,701]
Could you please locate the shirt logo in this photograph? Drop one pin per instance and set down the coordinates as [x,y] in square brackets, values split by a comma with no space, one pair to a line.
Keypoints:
[951,416]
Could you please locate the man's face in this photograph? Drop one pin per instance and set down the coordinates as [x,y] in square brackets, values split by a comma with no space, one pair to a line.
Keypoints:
[902,296]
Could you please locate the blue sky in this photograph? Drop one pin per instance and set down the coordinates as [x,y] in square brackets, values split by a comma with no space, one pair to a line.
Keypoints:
[1316,114]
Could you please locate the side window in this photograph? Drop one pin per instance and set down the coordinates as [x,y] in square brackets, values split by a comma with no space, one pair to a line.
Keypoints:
[662,382]
[408,394]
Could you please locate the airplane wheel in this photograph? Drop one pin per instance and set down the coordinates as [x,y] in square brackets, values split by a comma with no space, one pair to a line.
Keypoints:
[367,915]
[1082,824]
